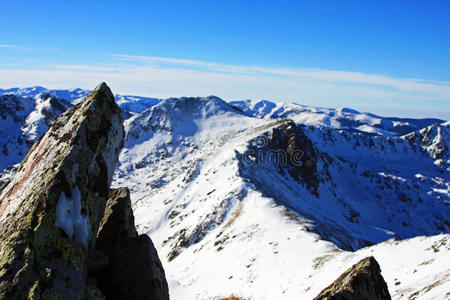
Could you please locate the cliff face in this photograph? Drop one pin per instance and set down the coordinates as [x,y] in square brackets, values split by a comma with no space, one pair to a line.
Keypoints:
[361,281]
[51,209]
[134,270]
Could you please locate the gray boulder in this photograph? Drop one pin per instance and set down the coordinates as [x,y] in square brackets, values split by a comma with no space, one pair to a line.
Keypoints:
[363,281]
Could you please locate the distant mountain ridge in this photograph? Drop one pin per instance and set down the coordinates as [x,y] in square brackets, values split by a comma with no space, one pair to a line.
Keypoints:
[26,114]
[130,104]
[341,118]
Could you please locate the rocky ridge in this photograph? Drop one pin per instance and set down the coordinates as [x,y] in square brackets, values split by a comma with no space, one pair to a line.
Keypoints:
[339,118]
[51,209]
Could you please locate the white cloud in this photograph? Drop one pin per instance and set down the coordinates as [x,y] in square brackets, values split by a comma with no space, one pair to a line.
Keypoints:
[86,68]
[8,46]
[166,77]
[436,89]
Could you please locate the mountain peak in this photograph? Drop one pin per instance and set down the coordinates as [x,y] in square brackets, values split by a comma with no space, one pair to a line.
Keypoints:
[51,209]
[194,107]
[103,86]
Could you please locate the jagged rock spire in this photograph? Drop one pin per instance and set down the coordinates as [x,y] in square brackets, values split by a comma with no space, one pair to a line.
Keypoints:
[51,209]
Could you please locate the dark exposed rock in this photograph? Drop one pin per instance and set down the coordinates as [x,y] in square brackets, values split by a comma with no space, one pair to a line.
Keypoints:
[11,106]
[96,261]
[118,220]
[51,209]
[301,154]
[6,175]
[363,281]
[434,140]
[289,149]
[134,271]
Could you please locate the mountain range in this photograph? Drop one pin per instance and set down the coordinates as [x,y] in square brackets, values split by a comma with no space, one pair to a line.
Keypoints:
[269,200]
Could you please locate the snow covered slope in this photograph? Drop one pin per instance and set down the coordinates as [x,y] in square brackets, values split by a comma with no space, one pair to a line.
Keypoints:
[268,209]
[23,121]
[343,118]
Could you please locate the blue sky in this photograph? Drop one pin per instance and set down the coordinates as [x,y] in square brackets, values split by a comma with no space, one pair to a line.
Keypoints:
[388,57]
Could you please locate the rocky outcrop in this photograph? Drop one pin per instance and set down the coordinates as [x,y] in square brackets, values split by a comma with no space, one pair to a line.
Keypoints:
[50,211]
[289,150]
[301,159]
[134,270]
[434,141]
[362,281]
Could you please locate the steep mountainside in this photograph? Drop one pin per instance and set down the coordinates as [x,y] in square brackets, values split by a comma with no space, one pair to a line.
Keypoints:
[23,121]
[359,189]
[435,141]
[266,207]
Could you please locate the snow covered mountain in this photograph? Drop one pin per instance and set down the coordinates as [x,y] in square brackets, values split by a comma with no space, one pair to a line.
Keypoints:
[129,104]
[272,201]
[71,95]
[34,108]
[23,121]
[26,114]
[272,210]
[342,118]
